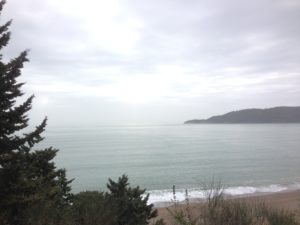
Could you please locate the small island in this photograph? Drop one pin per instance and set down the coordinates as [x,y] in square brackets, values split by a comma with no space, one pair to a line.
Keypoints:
[282,114]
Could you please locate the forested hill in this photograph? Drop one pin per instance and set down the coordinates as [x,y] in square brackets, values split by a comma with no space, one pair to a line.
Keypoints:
[271,115]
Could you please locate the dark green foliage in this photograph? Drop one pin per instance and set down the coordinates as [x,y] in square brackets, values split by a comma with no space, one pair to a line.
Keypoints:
[130,203]
[28,178]
[47,213]
[160,222]
[93,208]
[121,205]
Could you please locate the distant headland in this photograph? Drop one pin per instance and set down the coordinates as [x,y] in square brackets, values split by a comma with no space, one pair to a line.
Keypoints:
[282,114]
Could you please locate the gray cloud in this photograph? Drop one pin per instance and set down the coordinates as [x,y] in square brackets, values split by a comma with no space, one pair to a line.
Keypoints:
[205,56]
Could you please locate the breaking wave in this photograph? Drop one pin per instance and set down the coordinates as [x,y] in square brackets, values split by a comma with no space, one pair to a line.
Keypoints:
[158,197]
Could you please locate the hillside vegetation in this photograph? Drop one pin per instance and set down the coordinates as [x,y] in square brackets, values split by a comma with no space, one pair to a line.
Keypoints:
[282,114]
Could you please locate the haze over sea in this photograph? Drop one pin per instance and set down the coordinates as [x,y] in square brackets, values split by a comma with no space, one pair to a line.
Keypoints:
[246,158]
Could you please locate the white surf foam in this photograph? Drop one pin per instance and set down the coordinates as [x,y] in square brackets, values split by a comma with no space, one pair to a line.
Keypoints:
[166,196]
[243,190]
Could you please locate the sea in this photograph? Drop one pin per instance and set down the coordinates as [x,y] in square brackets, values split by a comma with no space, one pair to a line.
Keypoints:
[242,158]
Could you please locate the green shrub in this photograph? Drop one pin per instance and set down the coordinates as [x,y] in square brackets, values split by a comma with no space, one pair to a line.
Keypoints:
[121,205]
[130,204]
[93,208]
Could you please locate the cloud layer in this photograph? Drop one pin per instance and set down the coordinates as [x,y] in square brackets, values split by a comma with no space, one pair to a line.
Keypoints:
[138,61]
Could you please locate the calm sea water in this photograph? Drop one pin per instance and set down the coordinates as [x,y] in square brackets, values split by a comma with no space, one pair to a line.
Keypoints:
[246,158]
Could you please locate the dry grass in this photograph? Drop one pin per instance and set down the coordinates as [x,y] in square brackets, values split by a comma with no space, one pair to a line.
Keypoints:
[220,211]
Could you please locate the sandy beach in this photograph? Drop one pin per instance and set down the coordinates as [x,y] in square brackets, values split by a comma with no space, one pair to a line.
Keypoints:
[286,200]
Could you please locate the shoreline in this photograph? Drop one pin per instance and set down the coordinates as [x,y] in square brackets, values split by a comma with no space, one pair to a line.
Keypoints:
[164,198]
[284,200]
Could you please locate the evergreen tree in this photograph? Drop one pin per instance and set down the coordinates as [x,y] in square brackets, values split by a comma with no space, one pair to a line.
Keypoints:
[93,208]
[130,204]
[28,177]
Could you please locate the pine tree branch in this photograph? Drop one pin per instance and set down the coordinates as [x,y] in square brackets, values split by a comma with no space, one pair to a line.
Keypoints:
[35,137]
[5,27]
[2,3]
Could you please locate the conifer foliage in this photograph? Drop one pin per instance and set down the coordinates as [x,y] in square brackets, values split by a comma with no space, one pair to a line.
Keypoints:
[28,177]
[131,206]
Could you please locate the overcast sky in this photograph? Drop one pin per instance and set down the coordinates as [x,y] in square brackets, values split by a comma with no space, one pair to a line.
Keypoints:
[136,61]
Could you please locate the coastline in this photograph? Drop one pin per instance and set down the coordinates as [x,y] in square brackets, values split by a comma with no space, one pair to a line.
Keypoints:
[165,198]
[284,200]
